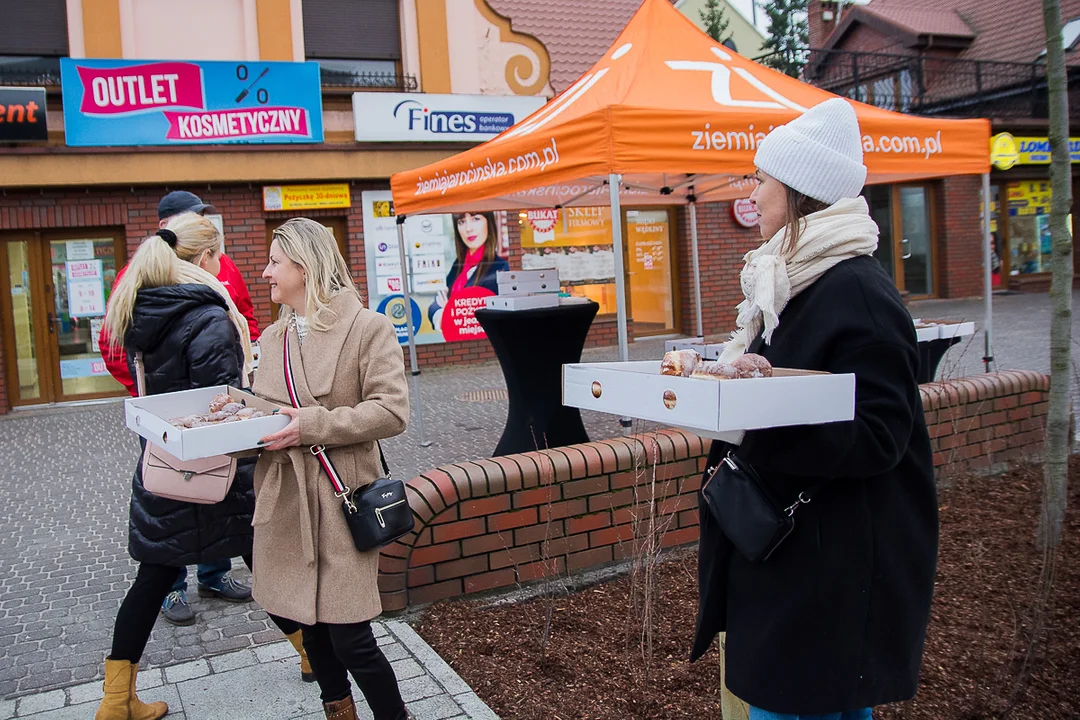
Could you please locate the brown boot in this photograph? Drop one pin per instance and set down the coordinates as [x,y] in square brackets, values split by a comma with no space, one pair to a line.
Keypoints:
[120,701]
[340,710]
[297,641]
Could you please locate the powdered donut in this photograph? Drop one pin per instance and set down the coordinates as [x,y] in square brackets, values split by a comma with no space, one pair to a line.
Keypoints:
[220,401]
[680,363]
[753,366]
[715,371]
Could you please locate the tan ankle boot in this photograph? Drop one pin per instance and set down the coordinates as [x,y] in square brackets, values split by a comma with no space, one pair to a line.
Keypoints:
[340,710]
[120,701]
[297,641]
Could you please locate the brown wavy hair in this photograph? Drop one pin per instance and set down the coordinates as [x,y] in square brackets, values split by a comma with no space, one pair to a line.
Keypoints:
[491,244]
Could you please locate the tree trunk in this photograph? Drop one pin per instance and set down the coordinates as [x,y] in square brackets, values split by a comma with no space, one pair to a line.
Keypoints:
[1057,421]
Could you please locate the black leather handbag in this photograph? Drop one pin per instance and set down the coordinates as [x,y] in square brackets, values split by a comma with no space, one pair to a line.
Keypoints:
[746,510]
[377,514]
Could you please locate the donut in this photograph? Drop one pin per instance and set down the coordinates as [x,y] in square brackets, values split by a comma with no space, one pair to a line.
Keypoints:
[680,363]
[232,408]
[715,371]
[220,401]
[752,366]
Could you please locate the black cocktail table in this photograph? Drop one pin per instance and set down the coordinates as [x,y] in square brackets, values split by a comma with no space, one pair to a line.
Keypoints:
[532,346]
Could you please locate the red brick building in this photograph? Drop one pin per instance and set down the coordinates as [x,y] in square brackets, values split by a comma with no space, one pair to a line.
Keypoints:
[954,58]
[60,202]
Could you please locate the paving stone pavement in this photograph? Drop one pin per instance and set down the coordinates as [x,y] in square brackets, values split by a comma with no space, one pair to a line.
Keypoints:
[263,683]
[66,479]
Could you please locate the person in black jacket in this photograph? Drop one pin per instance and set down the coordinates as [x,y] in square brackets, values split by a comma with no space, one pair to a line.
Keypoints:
[170,307]
[476,240]
[834,621]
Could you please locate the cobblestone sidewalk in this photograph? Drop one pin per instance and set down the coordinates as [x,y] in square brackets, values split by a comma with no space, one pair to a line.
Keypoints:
[264,683]
[65,478]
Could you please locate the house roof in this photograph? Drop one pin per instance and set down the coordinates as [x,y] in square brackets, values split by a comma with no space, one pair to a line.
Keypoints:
[576,34]
[923,20]
[1004,31]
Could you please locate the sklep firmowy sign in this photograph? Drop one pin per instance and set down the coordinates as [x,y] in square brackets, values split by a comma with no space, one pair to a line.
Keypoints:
[178,102]
[415,117]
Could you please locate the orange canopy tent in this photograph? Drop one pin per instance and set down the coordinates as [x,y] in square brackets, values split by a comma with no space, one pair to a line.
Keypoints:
[668,116]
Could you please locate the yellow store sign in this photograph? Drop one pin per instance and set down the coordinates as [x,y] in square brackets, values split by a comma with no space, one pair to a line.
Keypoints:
[1007,151]
[306,197]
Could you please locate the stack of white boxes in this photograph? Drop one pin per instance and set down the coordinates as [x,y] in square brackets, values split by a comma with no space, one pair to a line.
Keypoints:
[526,290]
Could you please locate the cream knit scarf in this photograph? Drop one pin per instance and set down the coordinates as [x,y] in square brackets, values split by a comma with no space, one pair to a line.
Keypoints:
[842,231]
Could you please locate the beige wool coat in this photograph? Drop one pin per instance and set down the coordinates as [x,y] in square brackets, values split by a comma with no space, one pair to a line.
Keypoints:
[352,389]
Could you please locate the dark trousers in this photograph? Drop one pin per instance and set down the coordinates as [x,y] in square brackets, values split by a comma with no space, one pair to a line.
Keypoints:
[334,651]
[139,611]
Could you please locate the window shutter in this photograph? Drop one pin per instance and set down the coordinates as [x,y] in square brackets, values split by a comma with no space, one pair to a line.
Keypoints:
[352,29]
[33,28]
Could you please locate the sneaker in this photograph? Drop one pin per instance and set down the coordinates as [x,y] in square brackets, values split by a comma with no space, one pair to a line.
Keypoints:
[176,610]
[227,589]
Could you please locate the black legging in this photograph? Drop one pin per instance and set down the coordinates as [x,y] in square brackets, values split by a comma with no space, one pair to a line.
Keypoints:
[141,605]
[336,650]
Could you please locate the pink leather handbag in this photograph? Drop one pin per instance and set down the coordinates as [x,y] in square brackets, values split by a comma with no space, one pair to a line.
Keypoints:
[204,481]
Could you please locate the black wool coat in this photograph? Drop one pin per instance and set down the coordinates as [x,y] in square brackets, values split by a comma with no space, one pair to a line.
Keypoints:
[188,341]
[835,619]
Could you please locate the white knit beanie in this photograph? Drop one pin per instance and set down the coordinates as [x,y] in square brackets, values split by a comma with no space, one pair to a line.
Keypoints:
[818,153]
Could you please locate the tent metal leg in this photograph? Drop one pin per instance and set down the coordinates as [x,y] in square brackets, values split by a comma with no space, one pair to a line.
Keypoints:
[988,280]
[620,277]
[697,269]
[413,364]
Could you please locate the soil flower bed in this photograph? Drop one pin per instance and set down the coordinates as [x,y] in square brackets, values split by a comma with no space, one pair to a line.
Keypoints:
[980,661]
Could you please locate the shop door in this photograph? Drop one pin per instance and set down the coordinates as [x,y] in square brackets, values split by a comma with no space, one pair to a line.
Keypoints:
[53,289]
[906,241]
[650,273]
[916,239]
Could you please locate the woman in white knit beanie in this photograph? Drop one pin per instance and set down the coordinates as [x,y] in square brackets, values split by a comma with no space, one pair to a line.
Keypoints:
[833,622]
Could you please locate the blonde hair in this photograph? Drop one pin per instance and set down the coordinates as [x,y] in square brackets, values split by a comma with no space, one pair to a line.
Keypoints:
[312,246]
[157,264]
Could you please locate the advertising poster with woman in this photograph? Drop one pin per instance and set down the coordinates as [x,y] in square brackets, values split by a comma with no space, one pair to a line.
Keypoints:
[453,261]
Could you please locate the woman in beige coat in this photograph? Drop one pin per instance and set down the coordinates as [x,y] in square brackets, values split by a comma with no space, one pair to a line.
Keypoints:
[350,379]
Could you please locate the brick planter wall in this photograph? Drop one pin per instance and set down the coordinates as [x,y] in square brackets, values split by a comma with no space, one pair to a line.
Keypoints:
[499,522]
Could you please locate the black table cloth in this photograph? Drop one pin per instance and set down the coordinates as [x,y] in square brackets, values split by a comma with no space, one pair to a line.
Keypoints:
[930,354]
[532,346]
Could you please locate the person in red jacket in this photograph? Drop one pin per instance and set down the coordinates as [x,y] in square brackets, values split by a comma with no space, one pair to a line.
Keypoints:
[174,203]
[214,579]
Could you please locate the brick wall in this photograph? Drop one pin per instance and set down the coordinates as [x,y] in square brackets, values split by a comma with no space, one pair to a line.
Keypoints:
[133,213]
[497,523]
[985,422]
[722,243]
[959,229]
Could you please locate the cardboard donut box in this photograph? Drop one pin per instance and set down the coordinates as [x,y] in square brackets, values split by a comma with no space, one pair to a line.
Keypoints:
[942,329]
[709,408]
[149,417]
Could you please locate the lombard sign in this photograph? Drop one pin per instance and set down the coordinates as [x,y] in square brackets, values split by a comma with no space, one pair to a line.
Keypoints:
[413,117]
[127,102]
[1007,151]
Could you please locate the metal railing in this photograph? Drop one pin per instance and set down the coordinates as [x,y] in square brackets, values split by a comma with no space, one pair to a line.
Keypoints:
[333,78]
[930,85]
[30,71]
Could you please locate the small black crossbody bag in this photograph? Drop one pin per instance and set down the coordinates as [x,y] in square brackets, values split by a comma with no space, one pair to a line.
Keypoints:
[377,514]
[747,511]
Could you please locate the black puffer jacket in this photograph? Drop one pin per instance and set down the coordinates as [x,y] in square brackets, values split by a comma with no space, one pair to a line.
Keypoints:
[188,341]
